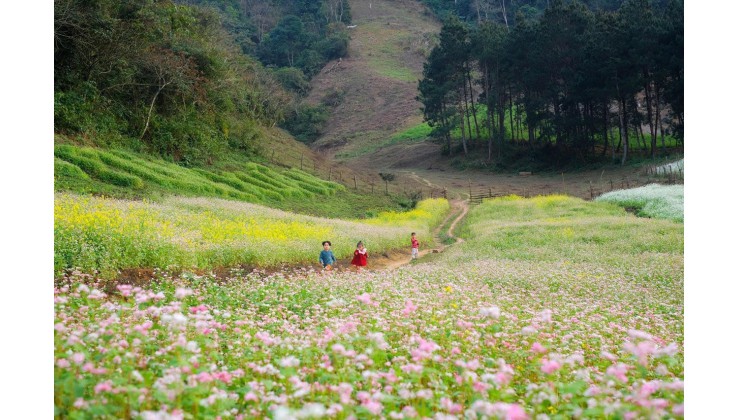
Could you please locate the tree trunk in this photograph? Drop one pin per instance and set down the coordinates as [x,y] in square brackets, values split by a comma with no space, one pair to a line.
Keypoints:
[462,131]
[151,107]
[472,105]
[501,122]
[467,116]
[606,128]
[653,127]
[623,129]
[511,114]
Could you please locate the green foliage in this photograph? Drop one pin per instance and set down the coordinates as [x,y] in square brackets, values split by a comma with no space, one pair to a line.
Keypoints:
[165,75]
[561,83]
[93,170]
[66,169]
[293,79]
[306,122]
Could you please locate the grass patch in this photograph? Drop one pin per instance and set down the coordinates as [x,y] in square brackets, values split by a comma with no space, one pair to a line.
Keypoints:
[128,175]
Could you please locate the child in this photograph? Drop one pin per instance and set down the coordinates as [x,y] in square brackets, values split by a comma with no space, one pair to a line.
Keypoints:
[360,258]
[327,258]
[414,246]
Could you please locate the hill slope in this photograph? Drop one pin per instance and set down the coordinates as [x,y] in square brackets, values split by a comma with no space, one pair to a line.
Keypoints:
[377,82]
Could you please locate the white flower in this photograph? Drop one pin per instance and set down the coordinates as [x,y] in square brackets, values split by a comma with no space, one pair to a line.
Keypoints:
[192,347]
[528,330]
[182,292]
[290,361]
[311,410]
[492,312]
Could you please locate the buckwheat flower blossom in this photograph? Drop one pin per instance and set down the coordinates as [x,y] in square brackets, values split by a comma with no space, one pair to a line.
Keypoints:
[182,292]
[105,386]
[546,316]
[162,415]
[367,299]
[678,410]
[311,410]
[619,371]
[491,312]
[125,289]
[538,348]
[424,394]
[669,350]
[412,368]
[450,406]
[529,330]
[641,350]
[549,366]
[289,361]
[78,358]
[642,335]
[409,308]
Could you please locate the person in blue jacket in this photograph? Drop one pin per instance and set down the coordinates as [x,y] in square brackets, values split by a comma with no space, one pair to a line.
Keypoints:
[327,258]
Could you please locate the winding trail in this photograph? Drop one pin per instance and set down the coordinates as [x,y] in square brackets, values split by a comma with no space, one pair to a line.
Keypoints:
[458,210]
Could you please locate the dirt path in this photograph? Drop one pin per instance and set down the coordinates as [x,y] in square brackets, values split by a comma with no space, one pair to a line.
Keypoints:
[458,210]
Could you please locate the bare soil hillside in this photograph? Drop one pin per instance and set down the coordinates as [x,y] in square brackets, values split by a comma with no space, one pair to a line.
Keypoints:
[377,81]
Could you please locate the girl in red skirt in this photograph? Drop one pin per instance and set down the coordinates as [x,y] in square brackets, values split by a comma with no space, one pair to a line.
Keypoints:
[360,258]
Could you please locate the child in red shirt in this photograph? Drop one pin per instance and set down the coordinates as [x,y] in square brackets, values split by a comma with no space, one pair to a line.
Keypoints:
[414,246]
[360,258]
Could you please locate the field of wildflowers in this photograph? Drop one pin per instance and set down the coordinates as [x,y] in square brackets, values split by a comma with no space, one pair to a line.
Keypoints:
[93,233]
[654,200]
[553,308]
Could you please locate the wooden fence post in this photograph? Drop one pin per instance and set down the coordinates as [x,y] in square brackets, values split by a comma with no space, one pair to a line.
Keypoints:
[591,187]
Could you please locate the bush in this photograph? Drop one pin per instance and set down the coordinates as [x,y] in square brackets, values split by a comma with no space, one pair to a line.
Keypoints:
[306,123]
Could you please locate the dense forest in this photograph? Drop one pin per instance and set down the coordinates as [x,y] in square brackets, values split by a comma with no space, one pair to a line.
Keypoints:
[188,80]
[571,83]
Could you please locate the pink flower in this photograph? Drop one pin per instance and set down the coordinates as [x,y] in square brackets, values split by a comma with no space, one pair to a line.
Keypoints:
[373,406]
[367,299]
[642,350]
[515,412]
[106,386]
[538,348]
[182,292]
[412,368]
[448,405]
[125,289]
[549,366]
[678,409]
[63,363]
[78,358]
[410,307]
[224,377]
[480,386]
[424,351]
[618,371]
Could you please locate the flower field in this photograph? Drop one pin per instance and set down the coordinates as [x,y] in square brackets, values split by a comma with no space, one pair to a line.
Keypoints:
[553,308]
[92,233]
[654,200]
